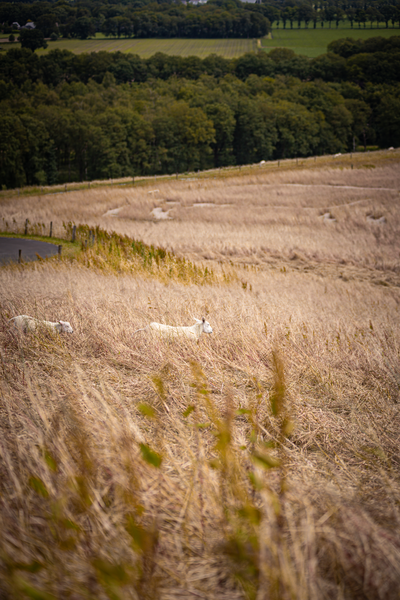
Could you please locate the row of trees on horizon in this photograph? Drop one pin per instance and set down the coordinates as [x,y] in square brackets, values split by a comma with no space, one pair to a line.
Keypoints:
[174,18]
[67,117]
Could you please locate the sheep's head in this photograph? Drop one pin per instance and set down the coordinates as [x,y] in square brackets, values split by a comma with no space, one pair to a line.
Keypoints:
[65,327]
[206,325]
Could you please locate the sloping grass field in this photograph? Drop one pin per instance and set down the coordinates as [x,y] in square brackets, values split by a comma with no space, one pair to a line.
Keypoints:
[261,463]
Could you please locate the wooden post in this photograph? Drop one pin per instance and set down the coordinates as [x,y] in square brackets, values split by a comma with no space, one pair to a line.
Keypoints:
[85,244]
[65,187]
[279,163]
[51,228]
[59,250]
[26,226]
[352,165]
[73,233]
[19,256]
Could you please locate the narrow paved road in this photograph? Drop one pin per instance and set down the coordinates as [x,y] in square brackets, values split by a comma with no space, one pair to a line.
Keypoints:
[9,248]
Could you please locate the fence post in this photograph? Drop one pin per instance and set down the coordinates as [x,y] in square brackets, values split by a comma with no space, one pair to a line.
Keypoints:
[26,226]
[19,256]
[73,233]
[51,228]
[59,250]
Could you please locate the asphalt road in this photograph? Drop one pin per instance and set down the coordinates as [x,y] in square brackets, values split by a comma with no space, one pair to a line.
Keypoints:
[9,248]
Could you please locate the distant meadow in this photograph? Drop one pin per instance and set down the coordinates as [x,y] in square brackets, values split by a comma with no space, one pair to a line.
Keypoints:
[308,42]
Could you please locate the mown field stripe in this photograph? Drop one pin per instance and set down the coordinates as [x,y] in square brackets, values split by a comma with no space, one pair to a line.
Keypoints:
[230,48]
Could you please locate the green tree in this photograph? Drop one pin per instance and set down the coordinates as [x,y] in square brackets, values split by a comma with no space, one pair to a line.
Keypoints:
[351,15]
[281,54]
[84,27]
[144,156]
[361,114]
[34,147]
[387,121]
[290,15]
[222,117]
[47,23]
[297,130]
[339,15]
[183,136]
[255,131]
[32,39]
[12,136]
[115,150]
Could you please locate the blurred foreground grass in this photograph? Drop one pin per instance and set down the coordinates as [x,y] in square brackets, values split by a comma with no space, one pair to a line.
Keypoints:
[261,463]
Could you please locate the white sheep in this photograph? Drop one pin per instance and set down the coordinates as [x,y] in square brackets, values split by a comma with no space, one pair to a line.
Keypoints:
[194,332]
[26,323]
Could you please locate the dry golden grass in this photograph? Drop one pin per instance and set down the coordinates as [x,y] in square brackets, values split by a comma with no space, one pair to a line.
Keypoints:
[255,217]
[261,463]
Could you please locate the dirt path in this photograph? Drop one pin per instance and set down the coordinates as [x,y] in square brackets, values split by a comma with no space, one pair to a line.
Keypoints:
[9,249]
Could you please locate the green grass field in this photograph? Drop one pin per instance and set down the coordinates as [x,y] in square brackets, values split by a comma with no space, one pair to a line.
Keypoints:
[148,47]
[313,42]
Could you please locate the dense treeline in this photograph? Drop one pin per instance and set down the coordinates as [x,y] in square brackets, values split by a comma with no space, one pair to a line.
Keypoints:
[174,18]
[66,117]
[376,60]
[218,18]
